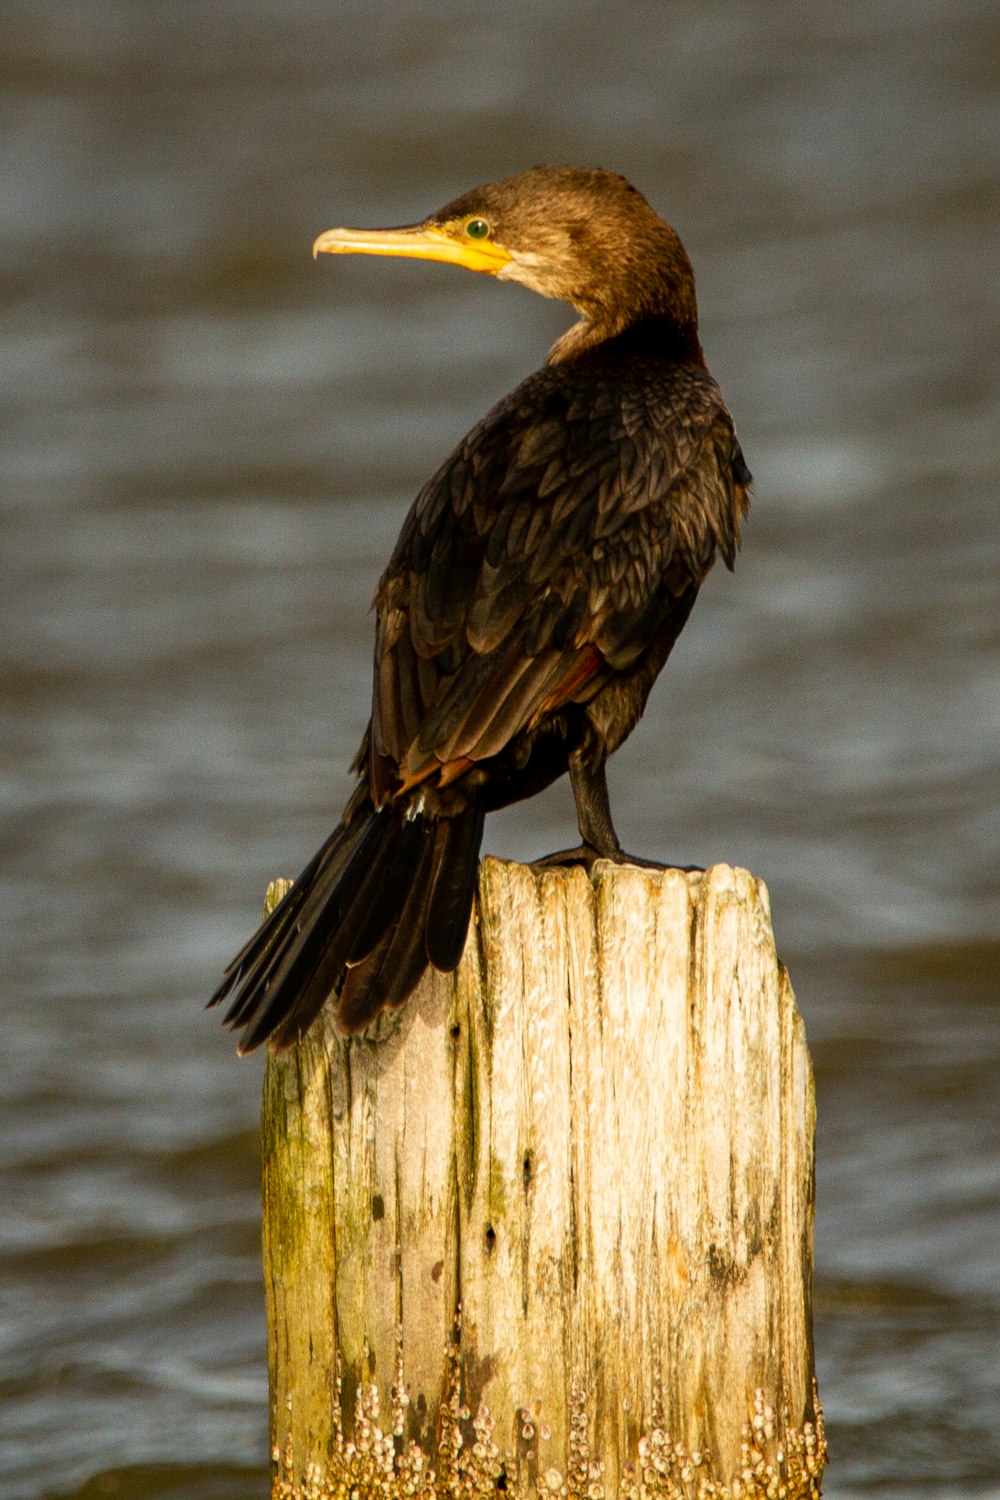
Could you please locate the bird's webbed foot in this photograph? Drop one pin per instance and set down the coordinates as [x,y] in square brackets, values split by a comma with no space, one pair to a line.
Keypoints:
[586,856]
[657,864]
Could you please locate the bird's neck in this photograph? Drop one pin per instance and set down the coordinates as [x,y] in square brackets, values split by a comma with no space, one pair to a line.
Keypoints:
[644,302]
[659,336]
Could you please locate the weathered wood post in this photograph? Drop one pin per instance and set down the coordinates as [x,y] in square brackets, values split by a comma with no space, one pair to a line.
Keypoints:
[596,1140]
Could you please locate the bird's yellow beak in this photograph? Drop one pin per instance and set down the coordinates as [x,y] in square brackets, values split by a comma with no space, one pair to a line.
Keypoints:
[421,242]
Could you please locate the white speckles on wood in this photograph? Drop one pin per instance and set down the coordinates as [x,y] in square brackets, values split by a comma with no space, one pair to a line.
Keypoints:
[597,1136]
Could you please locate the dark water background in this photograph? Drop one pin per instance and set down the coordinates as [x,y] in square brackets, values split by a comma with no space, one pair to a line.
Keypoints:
[208,445]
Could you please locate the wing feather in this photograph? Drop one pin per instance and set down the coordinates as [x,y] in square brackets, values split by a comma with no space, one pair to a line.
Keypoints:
[547,553]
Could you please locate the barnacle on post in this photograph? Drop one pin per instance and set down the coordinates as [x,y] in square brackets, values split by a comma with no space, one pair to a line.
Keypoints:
[778,1461]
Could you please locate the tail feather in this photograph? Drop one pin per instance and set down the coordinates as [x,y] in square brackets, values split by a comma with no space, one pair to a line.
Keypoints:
[260,967]
[336,907]
[390,896]
[317,970]
[406,960]
[259,970]
[453,889]
[270,931]
[301,978]
[385,895]
[442,893]
[387,977]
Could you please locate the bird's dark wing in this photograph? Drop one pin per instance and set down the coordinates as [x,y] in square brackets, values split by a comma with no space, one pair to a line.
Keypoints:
[545,555]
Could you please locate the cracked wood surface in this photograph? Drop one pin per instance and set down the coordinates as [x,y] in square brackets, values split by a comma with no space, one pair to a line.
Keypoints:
[597,1136]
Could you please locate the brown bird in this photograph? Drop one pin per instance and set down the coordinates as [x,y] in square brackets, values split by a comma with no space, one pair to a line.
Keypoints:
[537,587]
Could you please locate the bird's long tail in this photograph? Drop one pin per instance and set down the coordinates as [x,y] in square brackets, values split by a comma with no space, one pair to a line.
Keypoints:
[386,895]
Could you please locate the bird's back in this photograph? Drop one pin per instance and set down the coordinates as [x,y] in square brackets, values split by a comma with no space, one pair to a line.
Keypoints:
[546,553]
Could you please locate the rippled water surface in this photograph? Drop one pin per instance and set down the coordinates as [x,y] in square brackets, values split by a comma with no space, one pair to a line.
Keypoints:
[209,444]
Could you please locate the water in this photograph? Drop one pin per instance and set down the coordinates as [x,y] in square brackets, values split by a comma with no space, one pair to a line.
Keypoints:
[209,444]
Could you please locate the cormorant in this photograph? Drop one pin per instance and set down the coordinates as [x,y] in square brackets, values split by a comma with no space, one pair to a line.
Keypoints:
[537,587]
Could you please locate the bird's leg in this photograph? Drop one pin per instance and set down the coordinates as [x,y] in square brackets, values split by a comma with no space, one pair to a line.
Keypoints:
[593,815]
[593,808]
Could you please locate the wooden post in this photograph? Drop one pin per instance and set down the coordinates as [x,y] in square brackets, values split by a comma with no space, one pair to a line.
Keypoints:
[596,1139]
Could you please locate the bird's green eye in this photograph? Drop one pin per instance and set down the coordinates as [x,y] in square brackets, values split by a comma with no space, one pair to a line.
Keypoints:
[477,229]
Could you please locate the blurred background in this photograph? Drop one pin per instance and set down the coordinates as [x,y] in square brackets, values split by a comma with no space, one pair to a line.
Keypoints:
[209,443]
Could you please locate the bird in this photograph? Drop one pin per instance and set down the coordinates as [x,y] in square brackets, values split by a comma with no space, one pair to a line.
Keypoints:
[539,583]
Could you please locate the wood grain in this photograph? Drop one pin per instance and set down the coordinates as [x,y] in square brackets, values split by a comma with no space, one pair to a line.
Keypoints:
[596,1137]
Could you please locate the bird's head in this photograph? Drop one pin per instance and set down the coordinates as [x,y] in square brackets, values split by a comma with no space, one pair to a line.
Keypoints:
[585,237]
